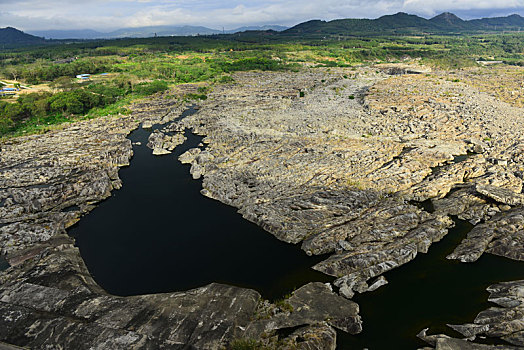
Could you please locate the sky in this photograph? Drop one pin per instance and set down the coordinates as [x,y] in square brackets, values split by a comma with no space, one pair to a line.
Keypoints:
[108,15]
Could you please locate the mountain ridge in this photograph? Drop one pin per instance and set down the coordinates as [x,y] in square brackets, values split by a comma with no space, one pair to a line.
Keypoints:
[144,32]
[13,36]
[402,22]
[399,23]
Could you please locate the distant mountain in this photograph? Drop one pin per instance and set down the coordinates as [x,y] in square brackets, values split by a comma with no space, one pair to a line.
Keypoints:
[513,22]
[386,24]
[146,32]
[276,28]
[141,32]
[12,36]
[448,19]
[68,34]
[399,23]
[403,23]
[401,20]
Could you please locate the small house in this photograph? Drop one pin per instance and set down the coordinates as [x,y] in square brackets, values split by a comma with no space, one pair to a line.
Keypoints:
[83,76]
[7,92]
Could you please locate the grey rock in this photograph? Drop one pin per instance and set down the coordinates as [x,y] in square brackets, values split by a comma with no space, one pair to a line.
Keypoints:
[505,322]
[501,195]
[48,298]
[379,282]
[162,144]
[316,337]
[331,173]
[312,304]
[502,235]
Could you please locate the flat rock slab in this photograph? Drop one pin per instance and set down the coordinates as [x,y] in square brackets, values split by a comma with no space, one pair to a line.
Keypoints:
[312,304]
[459,344]
[501,195]
[36,316]
[502,235]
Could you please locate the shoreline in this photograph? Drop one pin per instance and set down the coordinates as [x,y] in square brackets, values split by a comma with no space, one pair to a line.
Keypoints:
[300,168]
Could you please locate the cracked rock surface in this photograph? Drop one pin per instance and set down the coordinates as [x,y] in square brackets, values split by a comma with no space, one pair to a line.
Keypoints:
[339,174]
[339,171]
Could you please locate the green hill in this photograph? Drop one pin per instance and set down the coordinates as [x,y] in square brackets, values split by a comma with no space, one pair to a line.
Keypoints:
[11,36]
[403,23]
[447,21]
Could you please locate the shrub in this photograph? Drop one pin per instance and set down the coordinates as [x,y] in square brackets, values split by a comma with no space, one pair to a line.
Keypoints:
[245,344]
[146,89]
[226,79]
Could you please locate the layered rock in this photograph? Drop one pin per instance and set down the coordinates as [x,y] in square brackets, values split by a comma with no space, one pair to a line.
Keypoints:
[311,304]
[48,181]
[162,144]
[336,170]
[55,302]
[338,173]
[505,321]
[48,297]
[502,235]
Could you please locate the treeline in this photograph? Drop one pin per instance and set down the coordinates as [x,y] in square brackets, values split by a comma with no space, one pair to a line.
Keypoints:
[78,101]
[142,67]
[43,71]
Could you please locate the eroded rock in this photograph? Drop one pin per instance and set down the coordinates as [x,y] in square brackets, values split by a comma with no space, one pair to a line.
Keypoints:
[504,322]
[309,305]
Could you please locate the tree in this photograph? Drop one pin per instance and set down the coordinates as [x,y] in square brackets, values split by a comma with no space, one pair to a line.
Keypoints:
[12,72]
[63,83]
[66,102]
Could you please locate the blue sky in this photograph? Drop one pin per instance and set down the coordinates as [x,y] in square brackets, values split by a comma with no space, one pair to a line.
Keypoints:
[108,15]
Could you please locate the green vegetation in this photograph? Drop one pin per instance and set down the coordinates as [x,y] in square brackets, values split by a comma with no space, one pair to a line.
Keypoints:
[245,344]
[406,24]
[283,305]
[41,109]
[127,69]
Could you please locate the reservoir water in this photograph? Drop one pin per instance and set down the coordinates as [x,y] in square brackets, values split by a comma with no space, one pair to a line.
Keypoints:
[159,234]
[429,292]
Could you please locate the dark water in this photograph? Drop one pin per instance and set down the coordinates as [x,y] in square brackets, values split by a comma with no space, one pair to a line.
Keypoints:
[4,265]
[159,234]
[430,291]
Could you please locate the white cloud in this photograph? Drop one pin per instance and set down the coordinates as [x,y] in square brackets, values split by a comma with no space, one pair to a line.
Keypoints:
[102,15]
[435,7]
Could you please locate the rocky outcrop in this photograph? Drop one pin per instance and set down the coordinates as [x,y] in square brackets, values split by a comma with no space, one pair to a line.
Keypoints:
[48,181]
[381,244]
[339,170]
[198,160]
[51,300]
[47,296]
[320,336]
[442,342]
[501,195]
[162,144]
[311,304]
[505,321]
[502,235]
[336,174]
